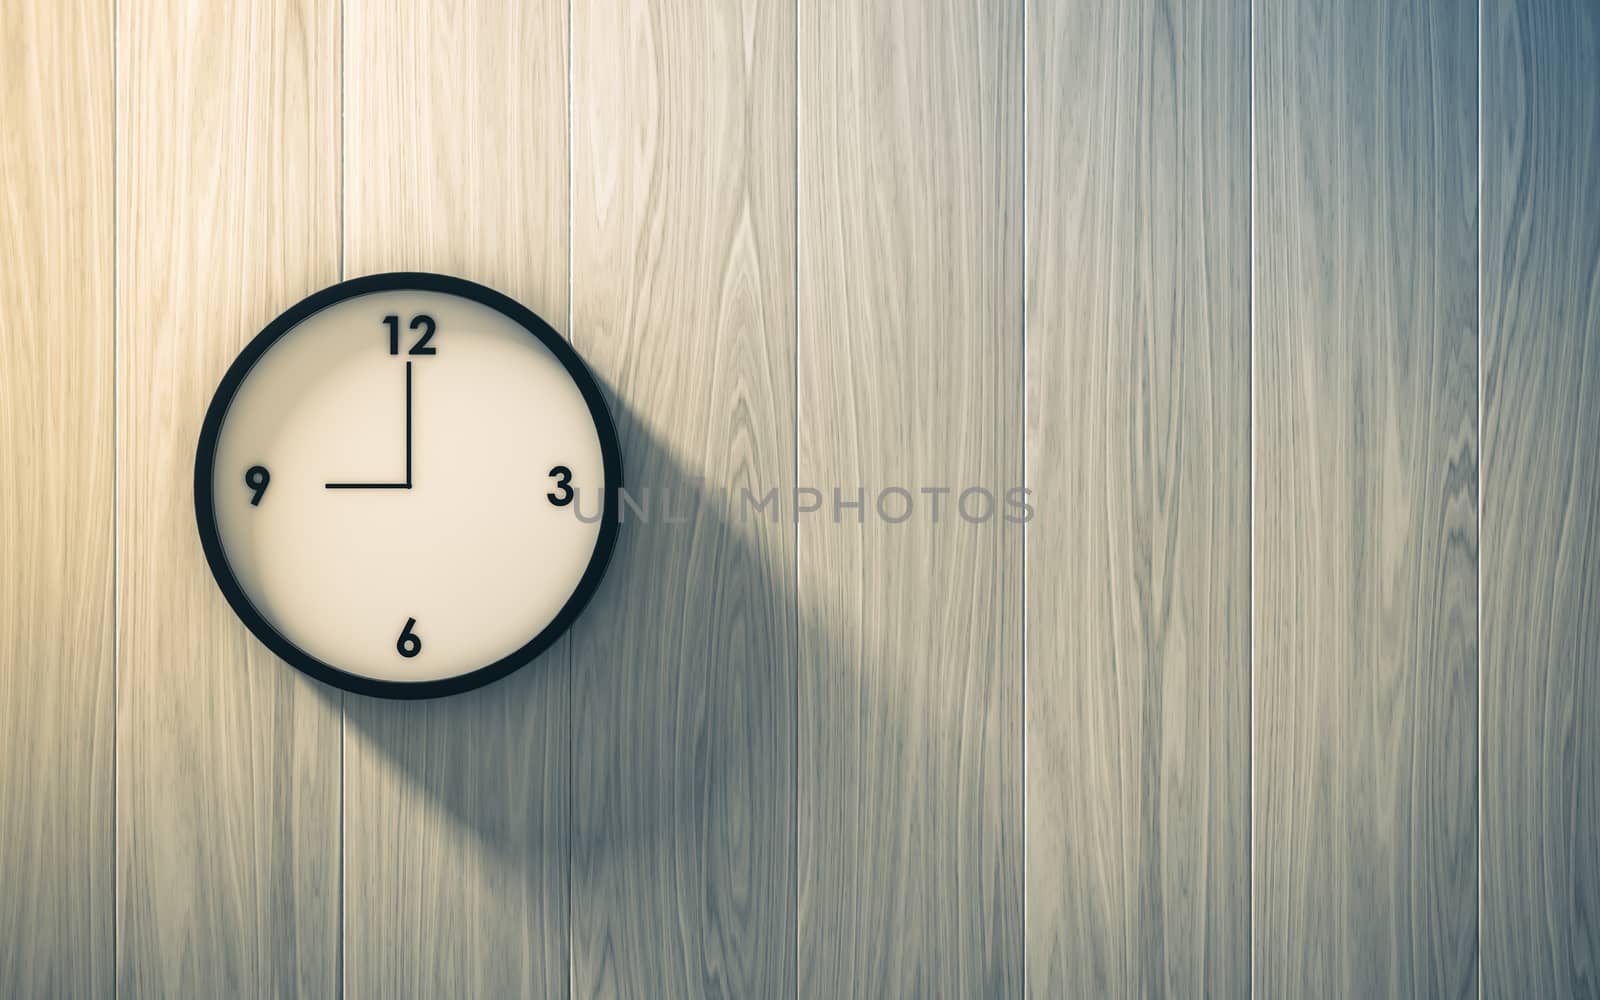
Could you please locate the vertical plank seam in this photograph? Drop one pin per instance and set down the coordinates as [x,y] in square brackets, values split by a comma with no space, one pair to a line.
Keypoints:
[1250,739]
[1023,323]
[794,485]
[116,539]
[1477,567]
[572,739]
[339,954]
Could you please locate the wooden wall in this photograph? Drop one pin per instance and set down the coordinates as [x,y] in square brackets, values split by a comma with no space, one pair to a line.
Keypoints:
[1365,569]
[1287,312]
[57,372]
[1539,373]
[1138,443]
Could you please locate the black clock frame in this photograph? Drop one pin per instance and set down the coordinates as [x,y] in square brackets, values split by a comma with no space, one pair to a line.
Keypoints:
[205,463]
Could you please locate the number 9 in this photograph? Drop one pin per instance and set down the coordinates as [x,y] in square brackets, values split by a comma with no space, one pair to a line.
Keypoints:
[257,478]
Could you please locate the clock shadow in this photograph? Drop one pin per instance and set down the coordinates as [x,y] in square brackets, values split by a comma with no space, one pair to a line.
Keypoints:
[696,726]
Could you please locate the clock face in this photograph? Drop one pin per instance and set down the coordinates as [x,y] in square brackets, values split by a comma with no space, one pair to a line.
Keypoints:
[406,485]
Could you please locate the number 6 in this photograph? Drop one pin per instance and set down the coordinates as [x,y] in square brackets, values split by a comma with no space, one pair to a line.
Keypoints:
[409,644]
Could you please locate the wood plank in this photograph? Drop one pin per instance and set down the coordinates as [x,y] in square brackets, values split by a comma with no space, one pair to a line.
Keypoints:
[1541,499]
[228,760]
[457,810]
[1138,592]
[1366,493]
[910,375]
[684,669]
[56,729]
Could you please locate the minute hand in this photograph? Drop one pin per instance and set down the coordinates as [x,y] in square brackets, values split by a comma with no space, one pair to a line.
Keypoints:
[408,425]
[389,486]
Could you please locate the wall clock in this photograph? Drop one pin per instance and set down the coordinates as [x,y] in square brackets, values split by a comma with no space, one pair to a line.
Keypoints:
[406,485]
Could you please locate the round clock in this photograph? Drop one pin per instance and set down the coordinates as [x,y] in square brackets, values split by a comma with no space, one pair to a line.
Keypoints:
[406,485]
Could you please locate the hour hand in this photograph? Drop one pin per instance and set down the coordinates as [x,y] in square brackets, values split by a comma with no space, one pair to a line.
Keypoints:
[388,486]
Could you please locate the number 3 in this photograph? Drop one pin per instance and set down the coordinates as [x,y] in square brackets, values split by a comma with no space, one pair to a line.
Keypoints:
[564,484]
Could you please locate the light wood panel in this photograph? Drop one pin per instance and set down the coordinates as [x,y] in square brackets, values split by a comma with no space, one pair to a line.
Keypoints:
[684,668]
[713,847]
[1138,594]
[457,810]
[1365,503]
[910,375]
[1541,499]
[228,773]
[56,732]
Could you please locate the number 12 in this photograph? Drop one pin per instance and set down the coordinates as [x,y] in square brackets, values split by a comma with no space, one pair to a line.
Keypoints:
[421,322]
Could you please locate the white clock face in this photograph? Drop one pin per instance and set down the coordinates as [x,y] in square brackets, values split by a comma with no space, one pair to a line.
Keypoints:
[407,479]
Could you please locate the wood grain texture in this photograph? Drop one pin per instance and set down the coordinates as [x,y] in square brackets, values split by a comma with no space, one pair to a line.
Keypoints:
[684,670]
[228,775]
[910,375]
[1138,593]
[1541,499]
[1366,492]
[457,810]
[56,731]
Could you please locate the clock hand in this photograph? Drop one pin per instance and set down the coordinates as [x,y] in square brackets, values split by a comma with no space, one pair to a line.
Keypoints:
[408,425]
[388,486]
